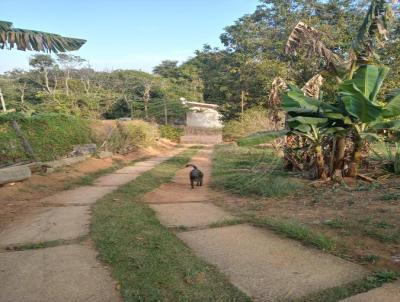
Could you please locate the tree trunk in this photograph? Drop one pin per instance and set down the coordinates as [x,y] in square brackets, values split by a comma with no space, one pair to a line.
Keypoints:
[22,90]
[165,112]
[66,83]
[46,80]
[242,102]
[146,99]
[3,103]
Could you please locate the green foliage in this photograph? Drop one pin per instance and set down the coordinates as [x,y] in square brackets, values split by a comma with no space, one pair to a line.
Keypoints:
[253,120]
[132,135]
[261,138]
[147,259]
[172,133]
[51,136]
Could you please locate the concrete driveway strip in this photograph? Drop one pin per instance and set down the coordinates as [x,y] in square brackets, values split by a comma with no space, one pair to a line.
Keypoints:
[268,267]
[61,274]
[387,293]
[59,223]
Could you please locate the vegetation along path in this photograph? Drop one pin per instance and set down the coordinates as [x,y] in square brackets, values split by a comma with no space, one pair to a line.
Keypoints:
[257,261]
[48,257]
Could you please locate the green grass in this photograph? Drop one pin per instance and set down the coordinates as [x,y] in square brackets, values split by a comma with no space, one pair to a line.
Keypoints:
[146,258]
[339,293]
[336,224]
[294,230]
[46,244]
[252,171]
[227,222]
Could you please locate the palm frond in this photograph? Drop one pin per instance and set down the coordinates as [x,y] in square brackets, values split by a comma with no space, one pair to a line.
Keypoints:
[24,39]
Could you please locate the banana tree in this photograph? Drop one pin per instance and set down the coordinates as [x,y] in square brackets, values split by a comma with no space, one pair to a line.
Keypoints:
[358,101]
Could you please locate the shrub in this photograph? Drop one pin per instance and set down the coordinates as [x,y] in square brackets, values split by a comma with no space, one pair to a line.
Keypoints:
[253,120]
[171,133]
[132,135]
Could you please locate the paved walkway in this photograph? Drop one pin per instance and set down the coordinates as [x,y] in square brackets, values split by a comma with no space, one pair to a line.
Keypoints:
[70,271]
[260,263]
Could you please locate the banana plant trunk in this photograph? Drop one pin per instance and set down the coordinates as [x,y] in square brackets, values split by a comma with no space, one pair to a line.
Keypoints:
[356,157]
[339,156]
[320,162]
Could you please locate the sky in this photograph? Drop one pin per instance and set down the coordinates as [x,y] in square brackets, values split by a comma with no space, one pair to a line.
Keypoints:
[128,34]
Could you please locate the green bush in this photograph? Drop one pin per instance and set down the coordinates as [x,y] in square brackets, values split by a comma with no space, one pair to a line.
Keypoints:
[132,135]
[253,120]
[50,135]
[171,133]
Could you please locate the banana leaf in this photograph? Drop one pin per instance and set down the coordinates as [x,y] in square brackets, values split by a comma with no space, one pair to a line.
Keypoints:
[392,108]
[368,79]
[295,101]
[370,137]
[357,104]
[24,39]
[4,25]
[308,120]
[261,138]
[382,125]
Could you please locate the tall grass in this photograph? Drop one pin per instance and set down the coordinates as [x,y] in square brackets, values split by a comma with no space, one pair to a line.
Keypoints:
[252,171]
[252,120]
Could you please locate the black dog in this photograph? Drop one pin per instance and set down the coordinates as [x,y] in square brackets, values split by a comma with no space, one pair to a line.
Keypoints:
[195,176]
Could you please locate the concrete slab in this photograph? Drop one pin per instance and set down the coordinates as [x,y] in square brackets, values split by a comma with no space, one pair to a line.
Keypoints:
[61,274]
[387,293]
[115,179]
[133,169]
[268,267]
[178,193]
[82,195]
[189,214]
[47,225]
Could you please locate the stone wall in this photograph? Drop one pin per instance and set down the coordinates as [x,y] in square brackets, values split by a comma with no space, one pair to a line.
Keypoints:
[207,118]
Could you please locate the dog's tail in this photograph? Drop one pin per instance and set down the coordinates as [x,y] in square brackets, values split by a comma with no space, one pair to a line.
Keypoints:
[190,165]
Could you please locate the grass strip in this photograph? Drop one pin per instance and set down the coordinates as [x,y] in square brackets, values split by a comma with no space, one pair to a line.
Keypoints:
[339,293]
[148,260]
[294,230]
[46,244]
